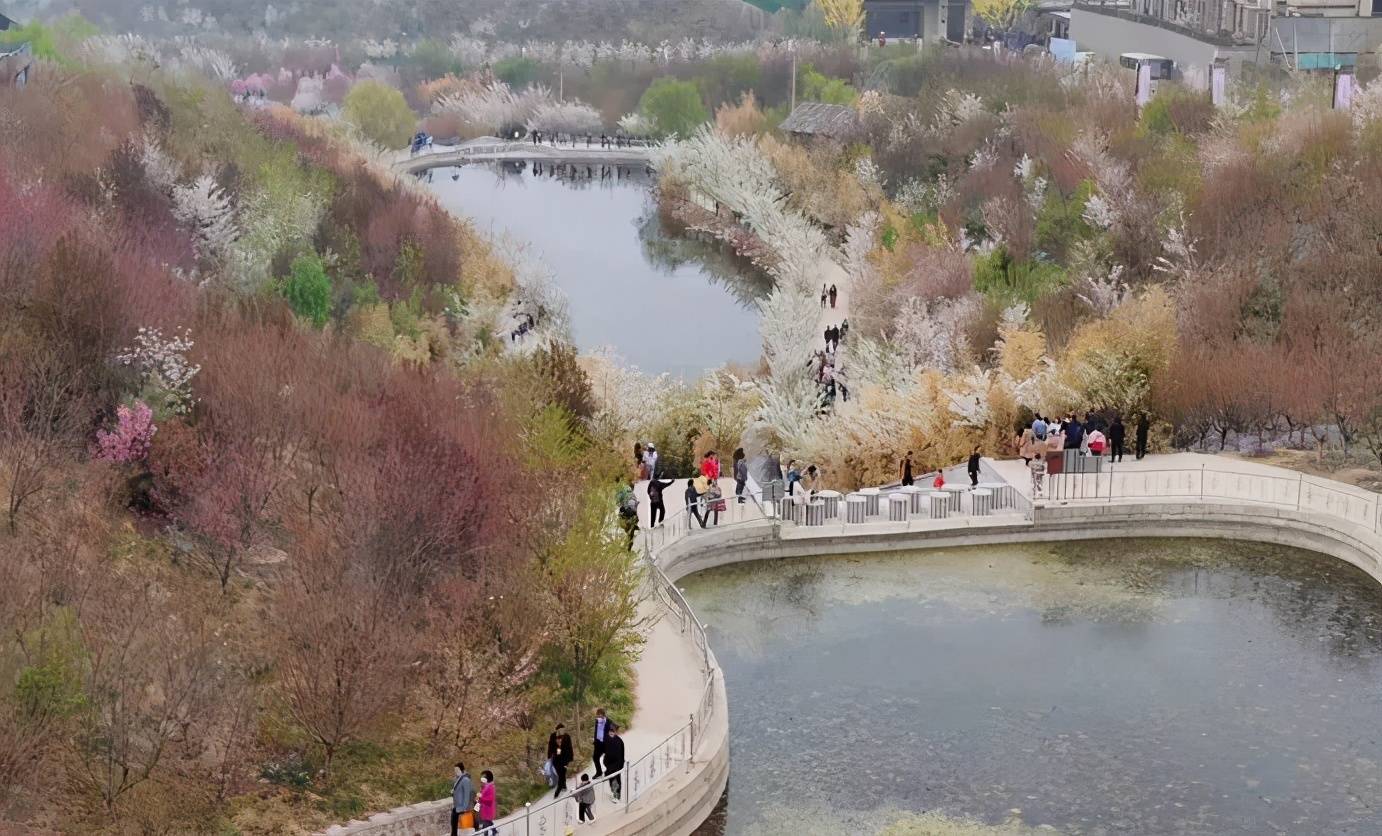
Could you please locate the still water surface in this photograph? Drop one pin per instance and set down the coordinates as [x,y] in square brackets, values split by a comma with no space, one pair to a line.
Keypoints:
[665,302]
[1156,686]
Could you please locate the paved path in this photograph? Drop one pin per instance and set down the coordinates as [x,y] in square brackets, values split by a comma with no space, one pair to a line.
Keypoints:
[491,149]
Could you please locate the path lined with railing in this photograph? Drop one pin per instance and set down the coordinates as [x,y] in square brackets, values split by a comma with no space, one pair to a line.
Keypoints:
[679,677]
[493,149]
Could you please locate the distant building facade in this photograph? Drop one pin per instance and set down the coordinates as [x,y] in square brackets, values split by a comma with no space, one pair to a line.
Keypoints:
[1308,34]
[922,20]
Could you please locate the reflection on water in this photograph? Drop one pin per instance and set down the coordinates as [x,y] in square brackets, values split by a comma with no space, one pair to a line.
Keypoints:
[1156,686]
[669,303]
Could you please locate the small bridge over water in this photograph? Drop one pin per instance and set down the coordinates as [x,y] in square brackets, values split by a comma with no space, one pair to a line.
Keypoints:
[492,149]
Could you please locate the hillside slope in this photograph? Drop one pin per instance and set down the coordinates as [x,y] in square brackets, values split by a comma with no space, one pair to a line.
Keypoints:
[597,20]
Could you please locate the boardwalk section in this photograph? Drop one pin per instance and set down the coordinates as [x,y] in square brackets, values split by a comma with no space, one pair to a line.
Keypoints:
[494,150]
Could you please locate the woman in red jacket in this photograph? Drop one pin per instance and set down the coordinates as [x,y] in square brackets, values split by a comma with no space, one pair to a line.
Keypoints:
[488,805]
[710,466]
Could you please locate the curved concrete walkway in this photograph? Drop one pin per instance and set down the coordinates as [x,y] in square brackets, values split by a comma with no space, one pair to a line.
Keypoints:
[1177,495]
[493,149]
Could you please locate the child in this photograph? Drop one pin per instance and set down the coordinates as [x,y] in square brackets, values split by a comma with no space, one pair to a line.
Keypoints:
[585,799]
[940,481]
[1038,468]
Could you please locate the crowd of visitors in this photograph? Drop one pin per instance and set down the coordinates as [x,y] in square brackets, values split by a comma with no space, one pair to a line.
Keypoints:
[826,366]
[1042,445]
[557,139]
[476,809]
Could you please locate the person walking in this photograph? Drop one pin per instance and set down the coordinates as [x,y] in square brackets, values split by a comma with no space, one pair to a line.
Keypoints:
[1039,427]
[462,800]
[1116,432]
[1097,441]
[488,806]
[1038,468]
[1143,426]
[741,474]
[650,460]
[811,481]
[1074,433]
[639,467]
[905,470]
[793,477]
[597,745]
[585,800]
[693,502]
[614,761]
[834,293]
[711,502]
[559,752]
[974,468]
[1027,446]
[825,294]
[657,511]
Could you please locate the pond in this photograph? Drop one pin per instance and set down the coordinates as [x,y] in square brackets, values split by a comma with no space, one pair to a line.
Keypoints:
[666,302]
[1141,686]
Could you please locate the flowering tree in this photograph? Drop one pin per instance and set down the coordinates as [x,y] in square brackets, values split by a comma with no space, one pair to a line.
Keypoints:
[164,372]
[129,441]
[206,208]
[568,117]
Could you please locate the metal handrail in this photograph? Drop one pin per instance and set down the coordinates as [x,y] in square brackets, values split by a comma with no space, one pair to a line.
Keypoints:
[1205,483]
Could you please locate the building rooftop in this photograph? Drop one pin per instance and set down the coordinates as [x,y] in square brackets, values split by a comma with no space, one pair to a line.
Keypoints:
[820,119]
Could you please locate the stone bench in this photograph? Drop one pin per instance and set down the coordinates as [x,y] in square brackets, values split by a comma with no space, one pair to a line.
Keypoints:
[856,509]
[940,505]
[899,507]
[981,502]
[832,503]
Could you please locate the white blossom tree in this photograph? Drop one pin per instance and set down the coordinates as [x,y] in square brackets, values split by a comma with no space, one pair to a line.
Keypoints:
[568,117]
[206,208]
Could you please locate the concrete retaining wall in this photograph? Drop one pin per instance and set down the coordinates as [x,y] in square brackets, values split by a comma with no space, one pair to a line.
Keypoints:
[680,803]
[1215,519]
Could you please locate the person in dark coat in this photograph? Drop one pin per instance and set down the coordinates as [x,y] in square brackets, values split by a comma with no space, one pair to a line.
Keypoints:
[597,744]
[693,502]
[614,761]
[834,294]
[741,474]
[906,470]
[559,751]
[1074,434]
[657,511]
[1116,432]
[1143,425]
[974,468]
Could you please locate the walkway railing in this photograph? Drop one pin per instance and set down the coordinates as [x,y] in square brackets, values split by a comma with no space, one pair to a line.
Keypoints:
[1300,492]
[681,523]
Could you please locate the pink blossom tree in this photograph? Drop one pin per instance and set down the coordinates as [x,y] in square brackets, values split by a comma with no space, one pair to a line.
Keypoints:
[129,441]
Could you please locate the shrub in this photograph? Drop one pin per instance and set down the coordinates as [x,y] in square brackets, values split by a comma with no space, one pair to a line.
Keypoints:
[380,114]
[673,107]
[308,290]
[998,276]
[516,71]
[814,86]
[1175,109]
